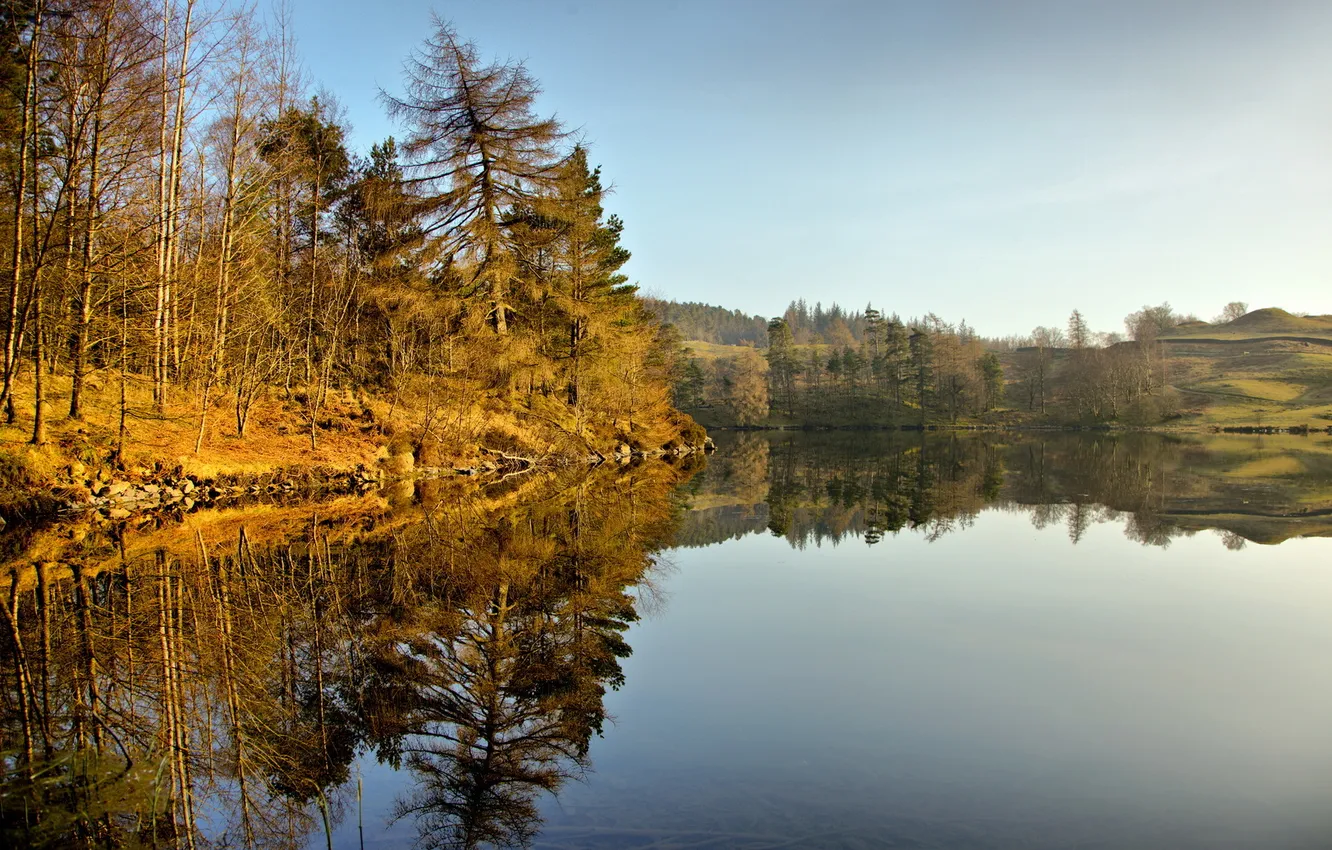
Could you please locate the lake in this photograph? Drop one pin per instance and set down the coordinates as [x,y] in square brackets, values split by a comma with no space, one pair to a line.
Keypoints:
[825,640]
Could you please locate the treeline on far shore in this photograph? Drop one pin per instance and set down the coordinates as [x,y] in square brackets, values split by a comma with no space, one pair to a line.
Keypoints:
[925,371]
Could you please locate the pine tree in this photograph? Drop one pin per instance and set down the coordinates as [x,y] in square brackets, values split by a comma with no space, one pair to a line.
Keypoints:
[896,352]
[922,367]
[992,373]
[580,282]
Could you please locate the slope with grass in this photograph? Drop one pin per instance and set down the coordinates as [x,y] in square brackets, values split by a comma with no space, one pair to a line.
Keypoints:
[430,425]
[1269,321]
[1266,368]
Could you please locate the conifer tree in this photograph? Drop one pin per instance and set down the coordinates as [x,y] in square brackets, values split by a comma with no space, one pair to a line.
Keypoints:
[478,151]
[782,363]
[1079,337]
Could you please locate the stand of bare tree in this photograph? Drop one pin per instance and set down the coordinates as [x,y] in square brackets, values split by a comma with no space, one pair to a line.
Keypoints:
[184,215]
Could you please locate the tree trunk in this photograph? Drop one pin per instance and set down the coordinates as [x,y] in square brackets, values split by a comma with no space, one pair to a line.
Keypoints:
[13,336]
[169,180]
[84,303]
[39,374]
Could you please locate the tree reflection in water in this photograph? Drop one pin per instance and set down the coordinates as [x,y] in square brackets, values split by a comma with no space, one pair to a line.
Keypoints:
[212,683]
[811,488]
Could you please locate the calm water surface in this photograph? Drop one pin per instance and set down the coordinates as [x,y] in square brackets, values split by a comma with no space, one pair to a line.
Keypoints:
[825,640]
[995,688]
[1013,676]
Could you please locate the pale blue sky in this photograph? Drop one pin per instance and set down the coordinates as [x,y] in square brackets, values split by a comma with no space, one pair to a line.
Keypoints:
[1001,162]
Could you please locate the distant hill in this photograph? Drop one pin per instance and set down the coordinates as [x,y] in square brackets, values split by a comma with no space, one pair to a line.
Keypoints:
[708,323]
[1267,367]
[1267,322]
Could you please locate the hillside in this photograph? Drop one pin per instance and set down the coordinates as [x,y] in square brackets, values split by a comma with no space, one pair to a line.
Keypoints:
[1269,321]
[1267,367]
[706,323]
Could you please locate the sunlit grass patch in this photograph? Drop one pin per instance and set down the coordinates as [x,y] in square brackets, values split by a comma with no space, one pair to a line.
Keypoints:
[710,351]
[1269,467]
[1259,388]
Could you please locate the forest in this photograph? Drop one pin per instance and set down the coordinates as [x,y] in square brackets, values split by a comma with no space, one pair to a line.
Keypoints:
[191,249]
[706,323]
[829,368]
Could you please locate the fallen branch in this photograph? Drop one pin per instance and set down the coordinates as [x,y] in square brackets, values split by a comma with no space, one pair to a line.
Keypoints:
[518,460]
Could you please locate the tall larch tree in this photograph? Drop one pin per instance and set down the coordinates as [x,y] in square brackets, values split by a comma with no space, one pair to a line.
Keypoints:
[477,151]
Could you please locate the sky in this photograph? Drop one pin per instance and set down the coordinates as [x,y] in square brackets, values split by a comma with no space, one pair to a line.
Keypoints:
[998,162]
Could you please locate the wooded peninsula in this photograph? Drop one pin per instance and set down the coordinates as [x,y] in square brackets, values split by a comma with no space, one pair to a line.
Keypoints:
[200,274]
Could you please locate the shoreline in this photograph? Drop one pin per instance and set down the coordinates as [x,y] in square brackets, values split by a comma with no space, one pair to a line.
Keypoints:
[175,491]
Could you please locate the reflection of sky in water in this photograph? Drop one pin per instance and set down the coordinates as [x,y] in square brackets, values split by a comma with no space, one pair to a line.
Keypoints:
[996,688]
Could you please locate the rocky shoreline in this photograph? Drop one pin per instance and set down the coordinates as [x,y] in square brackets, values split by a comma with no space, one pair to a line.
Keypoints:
[162,490]
[176,492]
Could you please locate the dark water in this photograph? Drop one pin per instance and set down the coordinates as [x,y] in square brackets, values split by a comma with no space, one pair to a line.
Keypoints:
[819,640]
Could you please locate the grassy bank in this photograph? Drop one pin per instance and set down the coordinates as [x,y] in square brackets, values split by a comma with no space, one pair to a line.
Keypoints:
[435,425]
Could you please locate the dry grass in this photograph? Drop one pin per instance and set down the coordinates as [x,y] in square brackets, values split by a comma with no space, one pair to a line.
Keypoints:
[421,422]
[1266,383]
[275,437]
[710,352]
[1261,389]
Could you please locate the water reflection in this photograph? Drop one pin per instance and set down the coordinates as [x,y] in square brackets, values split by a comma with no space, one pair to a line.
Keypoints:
[830,486]
[214,683]
[231,680]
